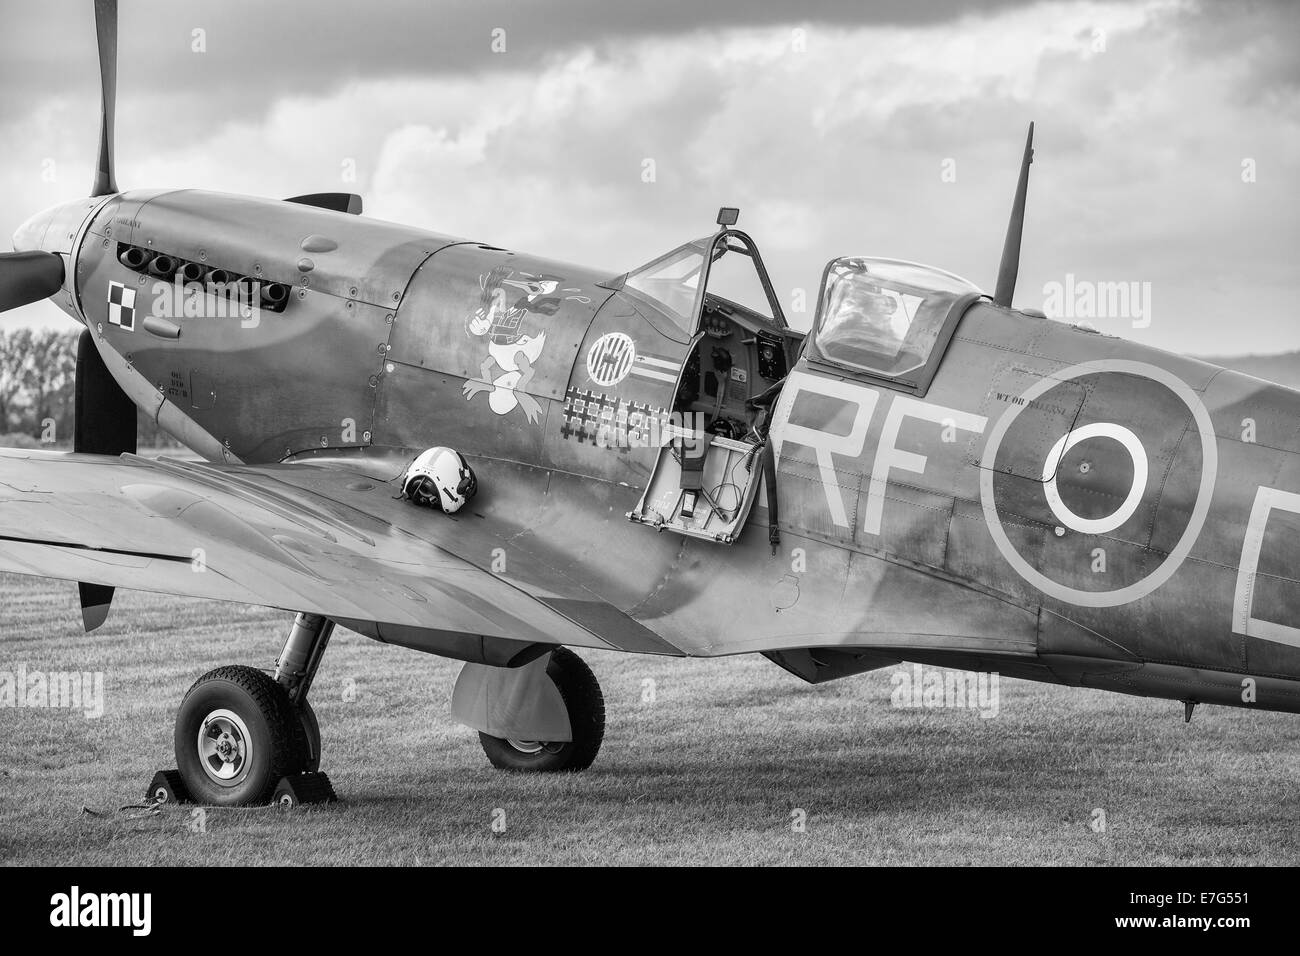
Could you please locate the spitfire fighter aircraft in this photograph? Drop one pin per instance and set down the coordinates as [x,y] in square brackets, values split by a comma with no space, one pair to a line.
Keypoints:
[662,467]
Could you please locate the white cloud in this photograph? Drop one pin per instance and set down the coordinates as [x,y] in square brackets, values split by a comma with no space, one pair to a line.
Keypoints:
[836,150]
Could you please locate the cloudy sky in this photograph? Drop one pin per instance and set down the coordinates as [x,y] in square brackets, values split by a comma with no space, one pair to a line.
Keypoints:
[1168,132]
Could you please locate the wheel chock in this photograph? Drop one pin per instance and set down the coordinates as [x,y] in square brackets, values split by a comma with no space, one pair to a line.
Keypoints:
[303,788]
[167,787]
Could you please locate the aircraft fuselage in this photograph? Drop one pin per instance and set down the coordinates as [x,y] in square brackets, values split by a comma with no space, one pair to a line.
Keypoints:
[1056,504]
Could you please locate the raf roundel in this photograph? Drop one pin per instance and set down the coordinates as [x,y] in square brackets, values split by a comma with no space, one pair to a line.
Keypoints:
[610,359]
[1145,456]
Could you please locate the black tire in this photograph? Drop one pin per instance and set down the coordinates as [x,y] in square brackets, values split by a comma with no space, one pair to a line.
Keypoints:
[310,738]
[251,721]
[586,706]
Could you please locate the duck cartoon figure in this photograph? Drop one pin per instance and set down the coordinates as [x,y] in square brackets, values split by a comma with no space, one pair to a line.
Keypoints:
[512,351]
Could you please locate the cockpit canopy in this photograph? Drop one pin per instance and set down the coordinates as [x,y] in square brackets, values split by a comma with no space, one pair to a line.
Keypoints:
[672,280]
[885,316]
[729,269]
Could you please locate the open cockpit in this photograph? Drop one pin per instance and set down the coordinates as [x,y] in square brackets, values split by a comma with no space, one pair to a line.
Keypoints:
[739,348]
[884,321]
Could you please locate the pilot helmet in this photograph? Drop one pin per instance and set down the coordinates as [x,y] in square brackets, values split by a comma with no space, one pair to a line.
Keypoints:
[441,478]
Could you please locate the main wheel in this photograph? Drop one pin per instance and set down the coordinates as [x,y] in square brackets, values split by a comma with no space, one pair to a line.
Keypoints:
[586,707]
[236,735]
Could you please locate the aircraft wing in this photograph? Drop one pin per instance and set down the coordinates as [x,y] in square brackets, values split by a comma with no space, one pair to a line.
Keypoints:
[302,537]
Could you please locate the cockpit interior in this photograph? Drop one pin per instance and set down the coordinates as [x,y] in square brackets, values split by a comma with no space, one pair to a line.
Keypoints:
[740,348]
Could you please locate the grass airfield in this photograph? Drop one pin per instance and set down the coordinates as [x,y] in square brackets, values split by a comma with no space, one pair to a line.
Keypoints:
[719,767]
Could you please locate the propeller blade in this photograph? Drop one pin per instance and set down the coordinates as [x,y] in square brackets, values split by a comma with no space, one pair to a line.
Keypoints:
[1009,267]
[103,423]
[96,599]
[106,31]
[28,277]
[103,420]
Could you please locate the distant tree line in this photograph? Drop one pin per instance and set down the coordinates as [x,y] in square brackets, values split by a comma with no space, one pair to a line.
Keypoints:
[37,387]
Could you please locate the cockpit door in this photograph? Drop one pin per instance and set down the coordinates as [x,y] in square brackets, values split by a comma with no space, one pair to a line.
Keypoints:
[703,486]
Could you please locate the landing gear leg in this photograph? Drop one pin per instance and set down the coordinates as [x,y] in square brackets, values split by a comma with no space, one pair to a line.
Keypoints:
[245,737]
[295,669]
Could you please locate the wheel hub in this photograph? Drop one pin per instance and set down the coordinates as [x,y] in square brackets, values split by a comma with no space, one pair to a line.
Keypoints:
[225,747]
[535,746]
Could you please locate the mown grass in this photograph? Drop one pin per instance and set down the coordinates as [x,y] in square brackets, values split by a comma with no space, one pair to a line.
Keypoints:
[710,772]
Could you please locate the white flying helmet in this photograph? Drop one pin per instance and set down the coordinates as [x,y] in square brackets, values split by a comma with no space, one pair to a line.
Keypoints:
[441,478]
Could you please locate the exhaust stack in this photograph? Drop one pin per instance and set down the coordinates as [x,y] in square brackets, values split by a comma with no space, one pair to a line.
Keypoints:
[133,257]
[162,266]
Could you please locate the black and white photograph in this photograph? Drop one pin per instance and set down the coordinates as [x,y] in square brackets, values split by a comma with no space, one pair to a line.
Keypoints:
[649,433]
